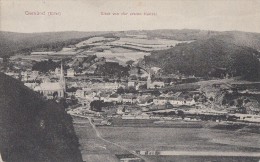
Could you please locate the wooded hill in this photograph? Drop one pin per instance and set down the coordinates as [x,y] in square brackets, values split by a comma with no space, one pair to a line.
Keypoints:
[33,129]
[208,57]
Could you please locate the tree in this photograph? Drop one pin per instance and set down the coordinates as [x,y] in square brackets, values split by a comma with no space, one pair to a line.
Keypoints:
[143,86]
[45,66]
[180,113]
[74,100]
[55,95]
[71,89]
[131,89]
[96,105]
[130,62]
[120,90]
[106,80]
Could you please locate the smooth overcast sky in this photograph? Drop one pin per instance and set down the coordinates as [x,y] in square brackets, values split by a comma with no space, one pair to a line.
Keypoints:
[85,15]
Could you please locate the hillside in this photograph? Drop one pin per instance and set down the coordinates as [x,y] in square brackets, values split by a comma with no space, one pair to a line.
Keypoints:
[209,57]
[236,37]
[33,129]
[241,39]
[182,35]
[11,42]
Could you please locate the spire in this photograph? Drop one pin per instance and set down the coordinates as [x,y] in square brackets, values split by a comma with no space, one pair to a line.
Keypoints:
[61,71]
[149,81]
[62,79]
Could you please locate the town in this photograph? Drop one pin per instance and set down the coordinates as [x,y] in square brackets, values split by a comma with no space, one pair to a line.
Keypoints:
[94,82]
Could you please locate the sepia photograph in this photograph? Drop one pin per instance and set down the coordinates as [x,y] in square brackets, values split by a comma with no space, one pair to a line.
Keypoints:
[130,81]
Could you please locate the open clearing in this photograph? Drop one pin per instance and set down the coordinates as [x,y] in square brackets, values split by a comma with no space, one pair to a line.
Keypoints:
[128,55]
[180,140]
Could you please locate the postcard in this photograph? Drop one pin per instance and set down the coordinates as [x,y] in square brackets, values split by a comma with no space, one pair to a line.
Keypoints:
[129,81]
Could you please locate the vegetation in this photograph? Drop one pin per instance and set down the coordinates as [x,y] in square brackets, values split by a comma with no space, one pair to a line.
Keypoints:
[12,43]
[112,69]
[33,129]
[97,105]
[211,57]
[46,66]
[130,89]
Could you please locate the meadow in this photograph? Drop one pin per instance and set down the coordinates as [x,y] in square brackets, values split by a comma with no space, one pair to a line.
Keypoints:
[165,139]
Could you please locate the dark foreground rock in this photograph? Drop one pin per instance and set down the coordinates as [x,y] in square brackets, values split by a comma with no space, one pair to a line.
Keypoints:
[32,129]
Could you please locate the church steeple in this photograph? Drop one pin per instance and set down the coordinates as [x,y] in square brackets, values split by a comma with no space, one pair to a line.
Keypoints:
[62,79]
[149,80]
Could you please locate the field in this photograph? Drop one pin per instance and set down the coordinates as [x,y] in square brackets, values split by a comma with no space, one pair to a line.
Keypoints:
[204,159]
[188,139]
[124,56]
[145,44]
[166,139]
[156,41]
[93,40]
[129,44]
[92,148]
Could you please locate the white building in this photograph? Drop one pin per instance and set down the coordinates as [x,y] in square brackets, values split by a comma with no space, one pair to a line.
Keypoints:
[70,72]
[35,74]
[153,85]
[57,71]
[80,93]
[173,101]
[131,84]
[129,99]
[105,86]
[29,75]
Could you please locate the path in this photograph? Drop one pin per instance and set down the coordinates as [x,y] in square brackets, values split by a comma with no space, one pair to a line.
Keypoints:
[107,141]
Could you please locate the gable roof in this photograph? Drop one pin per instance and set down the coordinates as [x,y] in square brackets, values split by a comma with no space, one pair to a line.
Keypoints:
[49,87]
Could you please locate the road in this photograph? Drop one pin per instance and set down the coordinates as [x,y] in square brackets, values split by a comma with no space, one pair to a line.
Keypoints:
[210,153]
[177,153]
[109,142]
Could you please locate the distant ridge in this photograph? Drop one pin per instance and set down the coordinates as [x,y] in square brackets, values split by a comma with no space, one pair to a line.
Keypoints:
[11,42]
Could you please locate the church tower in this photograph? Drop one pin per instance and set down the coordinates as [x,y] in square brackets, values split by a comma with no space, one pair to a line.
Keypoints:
[149,81]
[62,78]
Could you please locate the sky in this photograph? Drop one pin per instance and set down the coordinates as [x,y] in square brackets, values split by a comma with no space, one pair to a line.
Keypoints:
[85,15]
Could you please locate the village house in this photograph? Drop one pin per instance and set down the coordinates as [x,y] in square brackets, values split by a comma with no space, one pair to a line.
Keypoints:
[129,99]
[57,71]
[105,97]
[105,86]
[131,84]
[70,72]
[155,84]
[80,93]
[115,98]
[29,75]
[174,101]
